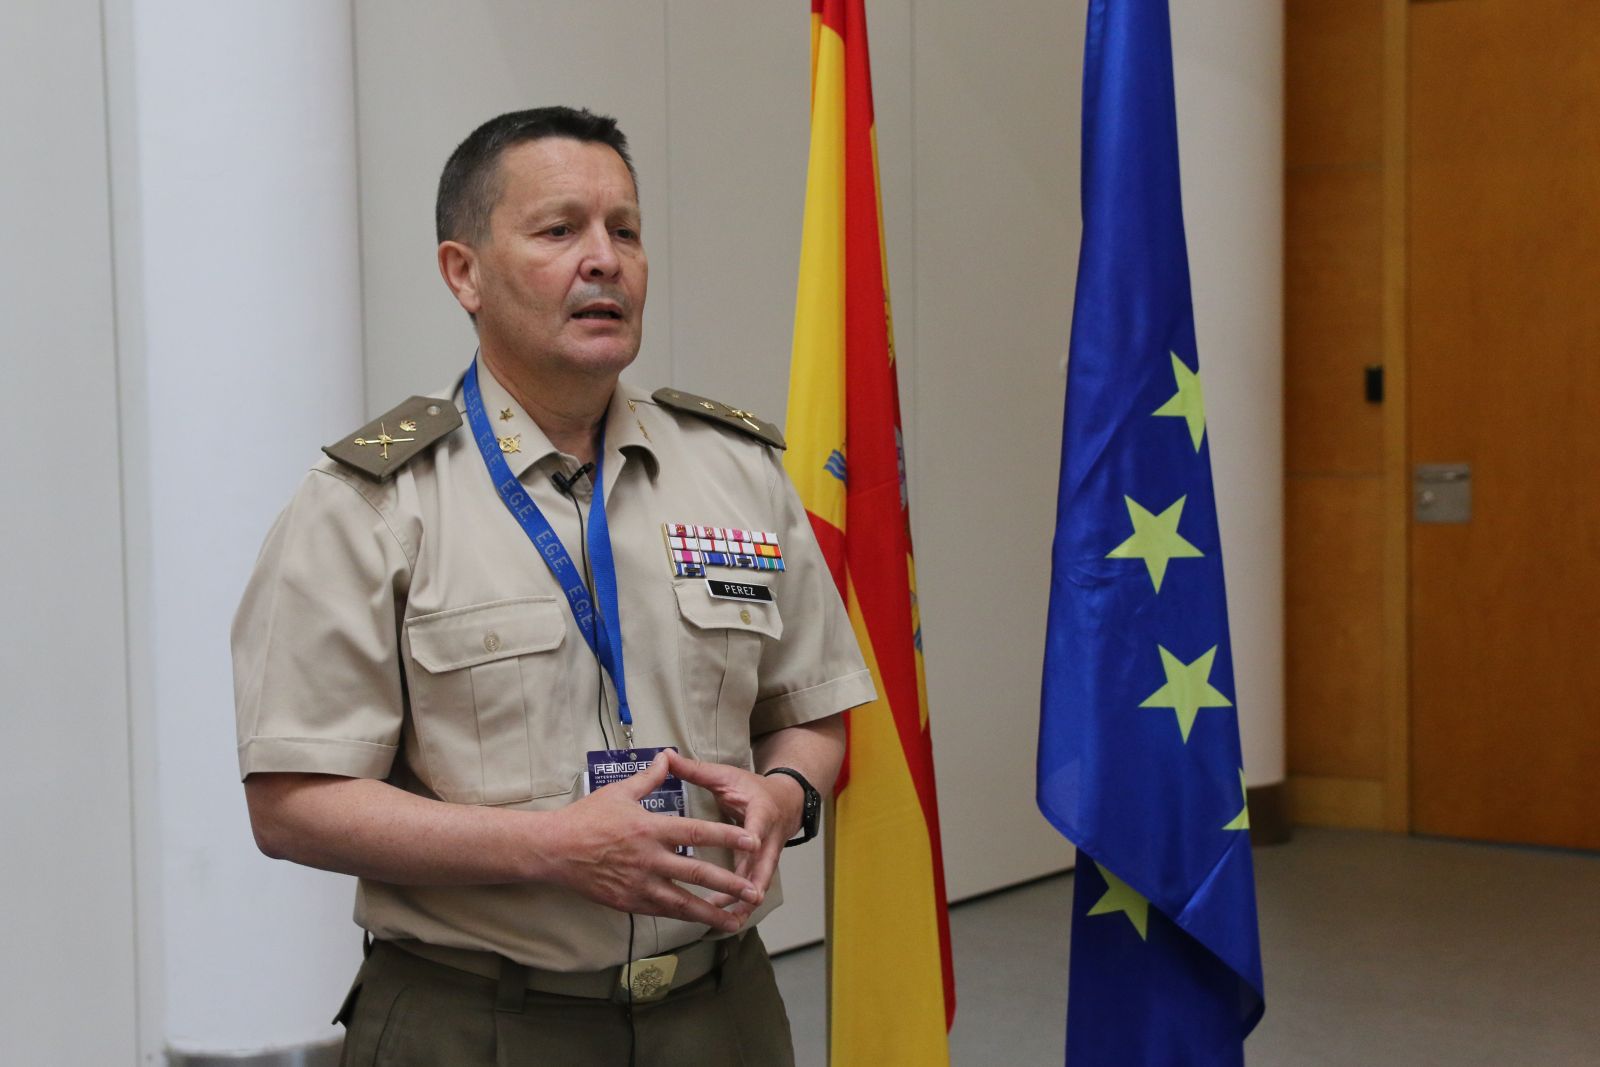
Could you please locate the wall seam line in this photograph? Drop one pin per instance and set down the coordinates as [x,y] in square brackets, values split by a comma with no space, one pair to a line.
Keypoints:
[361,237]
[120,336]
[666,128]
[916,306]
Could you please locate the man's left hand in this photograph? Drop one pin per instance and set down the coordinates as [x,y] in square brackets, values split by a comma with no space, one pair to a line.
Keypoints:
[770,808]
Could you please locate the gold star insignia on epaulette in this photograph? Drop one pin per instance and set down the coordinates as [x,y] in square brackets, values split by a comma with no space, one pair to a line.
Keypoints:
[377,453]
[746,422]
[505,414]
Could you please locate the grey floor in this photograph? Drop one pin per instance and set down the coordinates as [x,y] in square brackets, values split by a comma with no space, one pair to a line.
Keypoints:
[1378,949]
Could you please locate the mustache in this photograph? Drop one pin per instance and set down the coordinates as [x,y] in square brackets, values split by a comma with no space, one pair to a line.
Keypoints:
[592,291]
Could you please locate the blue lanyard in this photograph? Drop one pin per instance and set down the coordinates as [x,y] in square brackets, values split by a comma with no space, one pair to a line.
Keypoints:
[605,640]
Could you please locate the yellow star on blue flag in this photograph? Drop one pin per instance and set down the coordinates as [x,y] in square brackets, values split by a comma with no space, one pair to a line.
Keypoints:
[1188,688]
[1241,821]
[1155,540]
[1188,403]
[1120,898]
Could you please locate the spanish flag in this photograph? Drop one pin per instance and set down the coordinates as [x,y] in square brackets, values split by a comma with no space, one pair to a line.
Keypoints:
[891,985]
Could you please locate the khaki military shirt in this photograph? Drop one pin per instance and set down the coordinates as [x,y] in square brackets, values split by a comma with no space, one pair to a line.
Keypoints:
[408,630]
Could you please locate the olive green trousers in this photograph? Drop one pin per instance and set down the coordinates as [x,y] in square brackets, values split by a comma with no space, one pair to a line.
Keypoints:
[405,1011]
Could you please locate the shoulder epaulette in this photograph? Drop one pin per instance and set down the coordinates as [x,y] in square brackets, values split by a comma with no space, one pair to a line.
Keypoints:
[746,422]
[389,441]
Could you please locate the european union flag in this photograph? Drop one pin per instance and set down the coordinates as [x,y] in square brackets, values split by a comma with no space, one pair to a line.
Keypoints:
[1139,761]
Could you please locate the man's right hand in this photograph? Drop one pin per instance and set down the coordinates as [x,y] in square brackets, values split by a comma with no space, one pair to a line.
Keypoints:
[612,851]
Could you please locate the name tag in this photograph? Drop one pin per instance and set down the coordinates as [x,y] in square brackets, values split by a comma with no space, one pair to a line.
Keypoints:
[761,594]
[609,765]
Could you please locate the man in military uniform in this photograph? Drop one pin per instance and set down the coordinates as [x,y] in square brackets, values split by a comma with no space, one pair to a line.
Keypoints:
[557,684]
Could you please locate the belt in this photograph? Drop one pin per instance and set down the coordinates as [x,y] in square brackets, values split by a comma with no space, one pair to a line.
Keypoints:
[647,979]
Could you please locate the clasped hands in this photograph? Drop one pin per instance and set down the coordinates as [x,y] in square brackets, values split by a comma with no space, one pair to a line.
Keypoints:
[612,851]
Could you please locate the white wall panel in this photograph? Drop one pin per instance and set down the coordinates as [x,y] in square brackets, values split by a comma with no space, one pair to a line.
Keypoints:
[237,241]
[66,853]
[997,227]
[737,151]
[1229,66]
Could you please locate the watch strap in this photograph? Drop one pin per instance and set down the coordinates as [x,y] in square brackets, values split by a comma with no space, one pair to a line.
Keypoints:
[810,813]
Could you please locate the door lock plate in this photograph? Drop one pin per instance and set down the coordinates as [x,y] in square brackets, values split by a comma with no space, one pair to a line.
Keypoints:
[1442,492]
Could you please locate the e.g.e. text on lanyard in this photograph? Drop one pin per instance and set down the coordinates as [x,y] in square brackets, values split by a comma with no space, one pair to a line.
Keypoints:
[605,639]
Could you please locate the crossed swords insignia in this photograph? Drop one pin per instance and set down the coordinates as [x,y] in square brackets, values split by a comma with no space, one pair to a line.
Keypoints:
[743,416]
[383,440]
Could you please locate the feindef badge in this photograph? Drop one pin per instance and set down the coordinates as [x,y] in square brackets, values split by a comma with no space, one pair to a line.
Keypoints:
[610,765]
[691,549]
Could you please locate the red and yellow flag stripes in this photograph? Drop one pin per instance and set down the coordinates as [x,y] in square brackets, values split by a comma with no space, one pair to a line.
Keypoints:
[892,988]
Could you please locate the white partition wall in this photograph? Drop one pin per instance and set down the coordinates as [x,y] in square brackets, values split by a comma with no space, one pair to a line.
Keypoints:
[1229,66]
[995,186]
[238,279]
[66,840]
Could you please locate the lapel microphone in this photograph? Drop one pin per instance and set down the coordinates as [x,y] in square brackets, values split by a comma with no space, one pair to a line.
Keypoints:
[564,483]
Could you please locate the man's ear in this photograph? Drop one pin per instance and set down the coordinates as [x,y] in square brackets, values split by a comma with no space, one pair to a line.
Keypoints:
[458,266]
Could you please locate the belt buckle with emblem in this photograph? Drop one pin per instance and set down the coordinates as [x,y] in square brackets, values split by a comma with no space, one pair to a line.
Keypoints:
[648,979]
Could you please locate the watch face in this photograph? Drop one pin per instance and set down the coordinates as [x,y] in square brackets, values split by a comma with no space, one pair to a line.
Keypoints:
[813,809]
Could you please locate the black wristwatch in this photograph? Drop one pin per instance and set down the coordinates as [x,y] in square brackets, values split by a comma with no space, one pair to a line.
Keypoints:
[810,814]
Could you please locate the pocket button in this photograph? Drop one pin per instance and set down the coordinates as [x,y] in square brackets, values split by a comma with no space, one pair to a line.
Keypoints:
[491,642]
[744,616]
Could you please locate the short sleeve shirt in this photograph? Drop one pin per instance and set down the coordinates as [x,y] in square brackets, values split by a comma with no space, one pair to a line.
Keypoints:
[408,630]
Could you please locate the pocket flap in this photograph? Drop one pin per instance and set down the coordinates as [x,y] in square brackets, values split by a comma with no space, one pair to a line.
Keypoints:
[465,637]
[699,608]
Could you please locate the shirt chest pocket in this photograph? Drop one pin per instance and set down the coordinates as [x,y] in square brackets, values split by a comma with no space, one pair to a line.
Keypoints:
[490,701]
[719,645]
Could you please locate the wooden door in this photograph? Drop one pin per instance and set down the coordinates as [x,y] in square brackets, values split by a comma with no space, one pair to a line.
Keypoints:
[1503,357]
